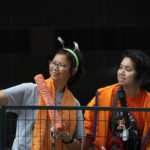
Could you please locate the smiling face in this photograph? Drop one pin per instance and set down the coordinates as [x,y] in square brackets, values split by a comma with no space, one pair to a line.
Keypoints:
[126,73]
[59,69]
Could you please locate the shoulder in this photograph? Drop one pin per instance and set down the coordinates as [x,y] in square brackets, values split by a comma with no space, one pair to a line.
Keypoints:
[147,99]
[29,85]
[20,88]
[108,88]
[104,93]
[77,102]
[148,93]
[21,94]
[22,85]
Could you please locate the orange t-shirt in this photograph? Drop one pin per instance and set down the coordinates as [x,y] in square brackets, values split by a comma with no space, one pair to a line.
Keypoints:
[135,117]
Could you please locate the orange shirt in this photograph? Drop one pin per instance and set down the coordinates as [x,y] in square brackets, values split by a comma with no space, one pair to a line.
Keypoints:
[135,117]
[105,99]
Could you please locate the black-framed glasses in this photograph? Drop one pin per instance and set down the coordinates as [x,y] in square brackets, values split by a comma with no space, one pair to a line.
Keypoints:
[53,64]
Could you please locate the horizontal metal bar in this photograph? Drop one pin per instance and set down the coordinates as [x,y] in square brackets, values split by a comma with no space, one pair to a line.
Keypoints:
[75,108]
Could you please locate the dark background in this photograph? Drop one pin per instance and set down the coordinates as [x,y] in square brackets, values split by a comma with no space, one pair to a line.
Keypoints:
[103,29]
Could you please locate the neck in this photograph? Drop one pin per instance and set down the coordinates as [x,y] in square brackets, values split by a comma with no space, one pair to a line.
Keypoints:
[132,91]
[59,87]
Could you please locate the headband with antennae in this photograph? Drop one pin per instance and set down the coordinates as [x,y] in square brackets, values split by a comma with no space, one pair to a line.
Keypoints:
[76,47]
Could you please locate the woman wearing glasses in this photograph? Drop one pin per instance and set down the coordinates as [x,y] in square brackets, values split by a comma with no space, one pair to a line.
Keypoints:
[66,68]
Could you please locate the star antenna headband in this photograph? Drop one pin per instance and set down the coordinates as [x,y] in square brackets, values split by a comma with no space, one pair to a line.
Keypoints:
[76,47]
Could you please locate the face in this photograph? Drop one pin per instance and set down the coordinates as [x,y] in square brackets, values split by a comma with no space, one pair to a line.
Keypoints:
[59,68]
[126,73]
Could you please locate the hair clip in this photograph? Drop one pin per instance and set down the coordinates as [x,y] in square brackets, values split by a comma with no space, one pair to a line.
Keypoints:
[61,41]
[76,46]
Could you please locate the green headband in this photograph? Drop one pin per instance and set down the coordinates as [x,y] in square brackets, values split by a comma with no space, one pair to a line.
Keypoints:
[74,55]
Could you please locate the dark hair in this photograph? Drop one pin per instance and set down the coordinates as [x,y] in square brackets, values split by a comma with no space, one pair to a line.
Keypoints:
[81,69]
[142,66]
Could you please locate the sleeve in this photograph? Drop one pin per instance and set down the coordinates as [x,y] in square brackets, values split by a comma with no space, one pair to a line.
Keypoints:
[16,95]
[146,134]
[146,117]
[80,130]
[89,118]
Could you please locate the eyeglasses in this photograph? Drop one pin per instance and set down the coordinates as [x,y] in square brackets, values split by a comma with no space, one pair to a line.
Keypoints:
[53,64]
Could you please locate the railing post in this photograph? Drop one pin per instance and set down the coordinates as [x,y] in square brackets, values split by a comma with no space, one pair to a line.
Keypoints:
[2,127]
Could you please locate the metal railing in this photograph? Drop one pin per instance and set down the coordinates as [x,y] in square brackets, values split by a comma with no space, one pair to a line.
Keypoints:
[4,108]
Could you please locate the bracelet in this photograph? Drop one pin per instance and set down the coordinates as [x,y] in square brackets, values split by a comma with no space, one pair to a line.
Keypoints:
[68,142]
